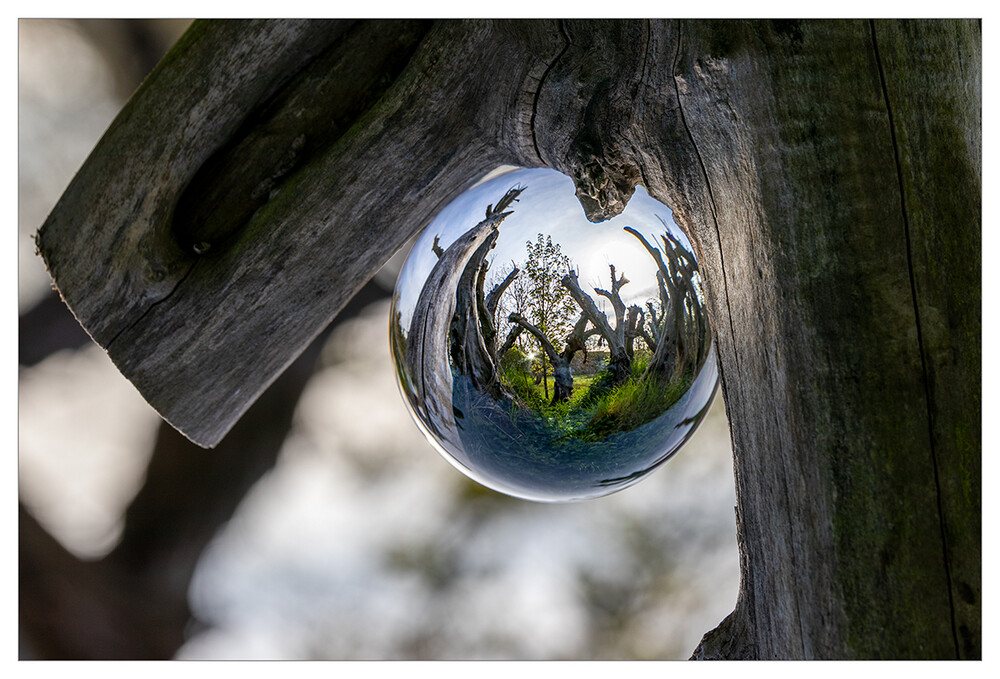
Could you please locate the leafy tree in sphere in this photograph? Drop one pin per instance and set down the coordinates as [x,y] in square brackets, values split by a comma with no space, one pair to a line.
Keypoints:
[550,307]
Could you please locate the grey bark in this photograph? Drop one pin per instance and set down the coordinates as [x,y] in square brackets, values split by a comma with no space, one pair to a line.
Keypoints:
[472,336]
[619,359]
[467,340]
[435,315]
[828,174]
[561,372]
[488,312]
[508,343]
[681,339]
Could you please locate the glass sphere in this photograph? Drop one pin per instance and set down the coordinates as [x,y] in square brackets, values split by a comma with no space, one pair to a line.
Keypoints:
[547,357]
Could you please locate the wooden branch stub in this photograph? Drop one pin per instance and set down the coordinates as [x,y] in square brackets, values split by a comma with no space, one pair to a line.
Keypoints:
[322,101]
[201,315]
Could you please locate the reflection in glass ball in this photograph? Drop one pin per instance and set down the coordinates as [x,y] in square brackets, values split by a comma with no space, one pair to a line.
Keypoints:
[545,356]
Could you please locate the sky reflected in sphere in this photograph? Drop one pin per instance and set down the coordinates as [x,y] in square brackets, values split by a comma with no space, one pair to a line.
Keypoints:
[547,357]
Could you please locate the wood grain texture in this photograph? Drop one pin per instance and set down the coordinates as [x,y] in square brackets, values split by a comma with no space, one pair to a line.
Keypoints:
[826,379]
[933,91]
[108,242]
[828,176]
[201,337]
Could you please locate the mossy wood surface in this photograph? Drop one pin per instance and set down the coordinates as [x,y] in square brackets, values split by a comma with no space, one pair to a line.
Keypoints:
[827,172]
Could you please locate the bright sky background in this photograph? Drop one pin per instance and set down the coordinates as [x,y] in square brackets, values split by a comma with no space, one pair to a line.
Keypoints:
[548,205]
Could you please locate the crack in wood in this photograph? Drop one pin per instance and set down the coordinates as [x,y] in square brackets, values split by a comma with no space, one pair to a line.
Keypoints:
[928,400]
[731,623]
[711,196]
[138,320]
[640,81]
[541,84]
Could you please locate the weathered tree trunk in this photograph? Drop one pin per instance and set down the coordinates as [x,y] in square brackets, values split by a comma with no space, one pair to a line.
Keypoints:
[562,375]
[440,328]
[472,337]
[578,336]
[633,320]
[512,336]
[468,348]
[682,341]
[619,359]
[488,305]
[826,172]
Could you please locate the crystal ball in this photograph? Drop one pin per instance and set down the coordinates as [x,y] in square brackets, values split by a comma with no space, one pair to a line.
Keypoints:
[545,356]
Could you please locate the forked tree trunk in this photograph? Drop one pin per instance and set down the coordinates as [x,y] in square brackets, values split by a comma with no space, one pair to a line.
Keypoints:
[619,356]
[488,308]
[826,172]
[562,374]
